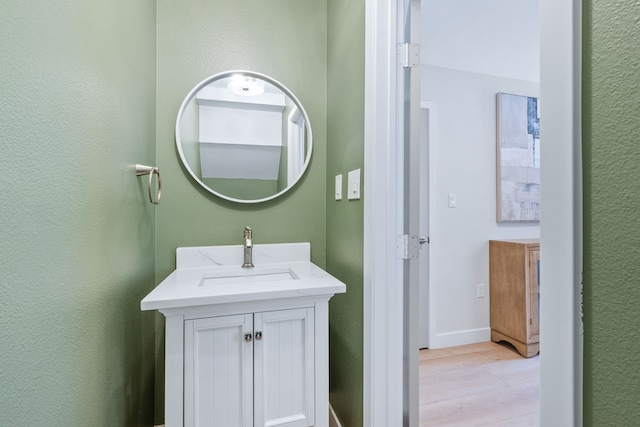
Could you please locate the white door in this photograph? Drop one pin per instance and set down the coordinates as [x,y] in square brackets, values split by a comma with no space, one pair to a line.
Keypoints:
[218,371]
[284,368]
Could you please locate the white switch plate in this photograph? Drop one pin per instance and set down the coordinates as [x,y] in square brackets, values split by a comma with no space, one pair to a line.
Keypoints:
[353,188]
[339,187]
[452,202]
[480,290]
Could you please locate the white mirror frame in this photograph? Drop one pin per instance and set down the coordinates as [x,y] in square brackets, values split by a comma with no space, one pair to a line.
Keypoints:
[191,95]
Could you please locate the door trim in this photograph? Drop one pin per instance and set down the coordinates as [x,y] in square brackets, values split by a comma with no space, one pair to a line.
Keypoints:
[383,279]
[561,351]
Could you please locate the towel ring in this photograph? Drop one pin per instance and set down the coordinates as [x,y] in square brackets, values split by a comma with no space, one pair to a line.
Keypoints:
[151,170]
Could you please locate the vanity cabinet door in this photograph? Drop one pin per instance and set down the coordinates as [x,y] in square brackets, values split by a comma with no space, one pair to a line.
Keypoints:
[218,371]
[284,368]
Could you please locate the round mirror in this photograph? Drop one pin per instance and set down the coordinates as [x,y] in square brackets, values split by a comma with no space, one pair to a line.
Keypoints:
[243,136]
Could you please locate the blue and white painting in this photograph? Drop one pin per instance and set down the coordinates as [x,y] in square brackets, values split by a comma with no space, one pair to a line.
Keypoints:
[518,158]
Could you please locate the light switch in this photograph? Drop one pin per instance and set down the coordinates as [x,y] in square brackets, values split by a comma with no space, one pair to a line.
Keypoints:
[452,200]
[339,187]
[353,189]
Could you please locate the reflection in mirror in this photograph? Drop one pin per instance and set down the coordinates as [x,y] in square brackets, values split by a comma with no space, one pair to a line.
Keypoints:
[243,136]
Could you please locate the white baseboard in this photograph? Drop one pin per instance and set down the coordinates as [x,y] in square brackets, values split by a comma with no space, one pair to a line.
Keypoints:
[452,339]
[333,418]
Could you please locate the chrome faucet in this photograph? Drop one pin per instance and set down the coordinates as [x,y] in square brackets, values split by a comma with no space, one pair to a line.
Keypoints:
[248,248]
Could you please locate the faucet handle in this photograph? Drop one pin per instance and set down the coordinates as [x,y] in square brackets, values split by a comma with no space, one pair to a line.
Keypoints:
[248,240]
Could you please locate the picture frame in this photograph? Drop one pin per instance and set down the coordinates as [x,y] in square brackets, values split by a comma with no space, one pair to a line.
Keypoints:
[517,158]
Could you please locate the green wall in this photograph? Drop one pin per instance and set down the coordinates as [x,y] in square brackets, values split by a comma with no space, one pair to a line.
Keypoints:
[77,108]
[197,38]
[611,125]
[81,245]
[345,218]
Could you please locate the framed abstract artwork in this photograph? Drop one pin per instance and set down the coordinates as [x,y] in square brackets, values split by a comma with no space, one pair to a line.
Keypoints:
[518,158]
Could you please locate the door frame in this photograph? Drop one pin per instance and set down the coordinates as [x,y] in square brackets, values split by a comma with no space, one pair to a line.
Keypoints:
[561,214]
[561,217]
[383,322]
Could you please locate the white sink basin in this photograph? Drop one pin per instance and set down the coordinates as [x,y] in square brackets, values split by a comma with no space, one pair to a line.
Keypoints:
[212,275]
[248,275]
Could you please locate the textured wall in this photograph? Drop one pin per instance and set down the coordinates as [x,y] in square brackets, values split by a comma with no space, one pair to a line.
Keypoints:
[196,39]
[77,112]
[345,218]
[611,125]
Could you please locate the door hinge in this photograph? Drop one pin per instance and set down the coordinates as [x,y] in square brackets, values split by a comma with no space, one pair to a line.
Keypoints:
[408,55]
[407,247]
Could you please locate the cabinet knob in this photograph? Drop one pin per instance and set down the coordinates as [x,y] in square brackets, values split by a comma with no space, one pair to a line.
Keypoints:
[258,336]
[247,337]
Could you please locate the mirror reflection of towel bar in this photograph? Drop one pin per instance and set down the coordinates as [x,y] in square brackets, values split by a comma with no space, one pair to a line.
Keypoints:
[150,170]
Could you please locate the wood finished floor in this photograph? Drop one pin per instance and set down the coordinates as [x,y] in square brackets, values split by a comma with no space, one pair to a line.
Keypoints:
[485,384]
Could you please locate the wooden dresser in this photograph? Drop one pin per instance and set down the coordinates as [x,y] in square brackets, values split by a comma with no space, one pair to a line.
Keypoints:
[514,267]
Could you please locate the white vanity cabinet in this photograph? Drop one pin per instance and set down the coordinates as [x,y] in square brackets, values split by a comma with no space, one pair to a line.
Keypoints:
[250,369]
[246,347]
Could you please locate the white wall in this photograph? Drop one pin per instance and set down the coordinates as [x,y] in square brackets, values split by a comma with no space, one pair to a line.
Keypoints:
[464,163]
[495,37]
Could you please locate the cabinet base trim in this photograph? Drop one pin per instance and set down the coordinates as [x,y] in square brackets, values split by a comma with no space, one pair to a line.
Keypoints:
[526,350]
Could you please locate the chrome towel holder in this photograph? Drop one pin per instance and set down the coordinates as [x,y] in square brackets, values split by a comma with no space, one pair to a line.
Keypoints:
[150,170]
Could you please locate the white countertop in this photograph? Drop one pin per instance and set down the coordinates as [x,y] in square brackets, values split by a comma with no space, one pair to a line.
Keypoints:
[212,275]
